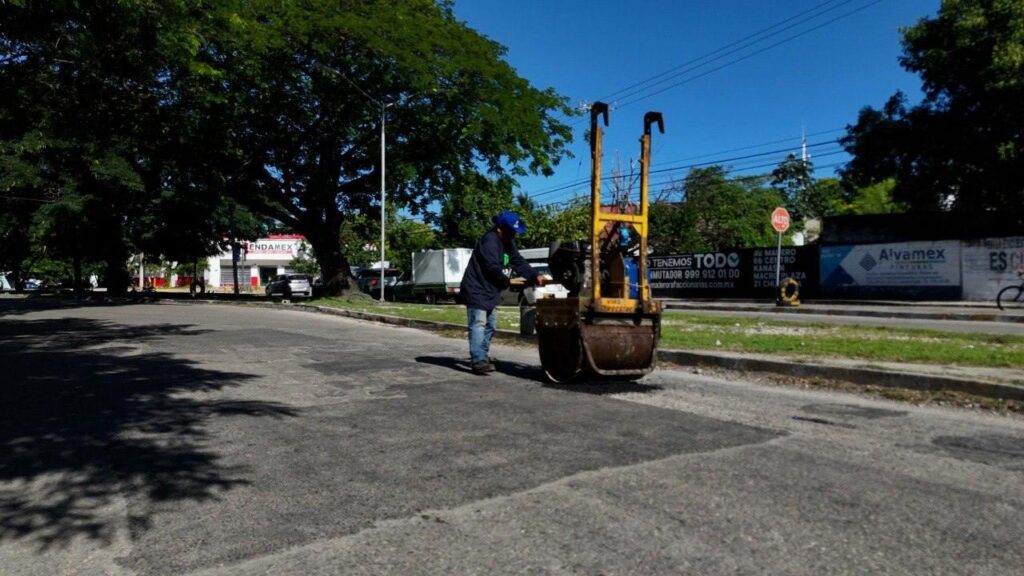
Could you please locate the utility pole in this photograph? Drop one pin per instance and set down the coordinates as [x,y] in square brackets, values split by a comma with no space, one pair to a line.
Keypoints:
[383,161]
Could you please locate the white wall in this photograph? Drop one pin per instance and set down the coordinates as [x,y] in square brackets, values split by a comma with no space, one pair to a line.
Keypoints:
[990,264]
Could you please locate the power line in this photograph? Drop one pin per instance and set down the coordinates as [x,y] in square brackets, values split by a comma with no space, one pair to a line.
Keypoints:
[748,56]
[577,181]
[753,146]
[667,179]
[736,46]
[571,185]
[637,89]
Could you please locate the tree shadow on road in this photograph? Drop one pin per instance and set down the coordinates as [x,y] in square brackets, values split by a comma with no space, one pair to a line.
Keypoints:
[89,423]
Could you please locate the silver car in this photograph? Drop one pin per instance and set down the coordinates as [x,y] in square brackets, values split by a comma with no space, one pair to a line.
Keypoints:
[290,285]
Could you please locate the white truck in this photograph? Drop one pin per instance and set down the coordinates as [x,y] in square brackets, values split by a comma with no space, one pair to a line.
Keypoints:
[436,275]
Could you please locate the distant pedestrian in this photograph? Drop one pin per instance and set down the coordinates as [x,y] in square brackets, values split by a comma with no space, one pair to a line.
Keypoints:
[485,279]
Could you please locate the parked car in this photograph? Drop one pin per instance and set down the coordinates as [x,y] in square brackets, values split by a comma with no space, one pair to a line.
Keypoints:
[369,280]
[290,285]
[401,289]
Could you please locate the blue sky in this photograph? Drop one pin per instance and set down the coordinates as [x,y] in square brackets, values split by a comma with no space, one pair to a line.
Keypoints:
[759,99]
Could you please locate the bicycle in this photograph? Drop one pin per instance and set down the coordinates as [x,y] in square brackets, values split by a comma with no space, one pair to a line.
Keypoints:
[1012,296]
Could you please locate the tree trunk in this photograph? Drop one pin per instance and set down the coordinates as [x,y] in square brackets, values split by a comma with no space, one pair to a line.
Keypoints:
[234,263]
[117,274]
[334,267]
[76,266]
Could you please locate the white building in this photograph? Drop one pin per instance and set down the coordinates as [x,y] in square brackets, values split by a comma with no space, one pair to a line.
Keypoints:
[258,261]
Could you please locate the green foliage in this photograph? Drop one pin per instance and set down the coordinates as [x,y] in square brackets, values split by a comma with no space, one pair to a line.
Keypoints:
[962,148]
[794,179]
[468,207]
[555,222]
[407,236]
[804,196]
[874,199]
[89,118]
[305,90]
[568,222]
[306,262]
[715,213]
[134,123]
[829,198]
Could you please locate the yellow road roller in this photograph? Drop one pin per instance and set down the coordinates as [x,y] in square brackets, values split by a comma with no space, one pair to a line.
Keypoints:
[609,325]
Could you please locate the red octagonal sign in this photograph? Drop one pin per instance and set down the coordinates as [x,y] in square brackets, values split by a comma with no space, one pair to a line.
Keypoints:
[780,219]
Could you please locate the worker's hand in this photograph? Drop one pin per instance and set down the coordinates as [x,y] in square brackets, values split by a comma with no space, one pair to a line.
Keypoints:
[540,280]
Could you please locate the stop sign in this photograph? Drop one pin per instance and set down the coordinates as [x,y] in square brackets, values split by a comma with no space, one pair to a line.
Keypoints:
[780,219]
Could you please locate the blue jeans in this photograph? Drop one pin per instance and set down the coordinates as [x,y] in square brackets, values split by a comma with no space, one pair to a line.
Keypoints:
[481,327]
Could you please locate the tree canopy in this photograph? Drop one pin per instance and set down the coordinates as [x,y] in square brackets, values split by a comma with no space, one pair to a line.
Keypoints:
[962,147]
[308,86]
[714,212]
[137,124]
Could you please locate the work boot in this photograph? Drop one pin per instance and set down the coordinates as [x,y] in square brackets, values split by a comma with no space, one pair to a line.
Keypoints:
[482,367]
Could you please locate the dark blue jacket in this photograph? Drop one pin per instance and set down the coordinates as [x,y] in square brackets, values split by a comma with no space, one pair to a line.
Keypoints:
[485,278]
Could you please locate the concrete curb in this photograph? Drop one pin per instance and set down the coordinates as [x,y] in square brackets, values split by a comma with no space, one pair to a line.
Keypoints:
[861,376]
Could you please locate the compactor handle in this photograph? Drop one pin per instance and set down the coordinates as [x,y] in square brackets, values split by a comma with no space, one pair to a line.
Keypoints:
[651,118]
[598,109]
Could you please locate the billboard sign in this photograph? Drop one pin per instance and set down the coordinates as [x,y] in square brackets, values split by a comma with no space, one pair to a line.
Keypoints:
[740,273]
[275,247]
[905,270]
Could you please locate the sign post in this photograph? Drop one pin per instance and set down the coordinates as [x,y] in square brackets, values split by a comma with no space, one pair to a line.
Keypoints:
[780,221]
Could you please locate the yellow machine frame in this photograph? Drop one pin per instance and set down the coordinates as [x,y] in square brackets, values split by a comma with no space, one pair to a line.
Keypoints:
[604,331]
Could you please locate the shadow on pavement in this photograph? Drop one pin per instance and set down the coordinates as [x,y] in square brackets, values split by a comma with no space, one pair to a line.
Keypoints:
[605,387]
[90,423]
[593,385]
[457,364]
[515,369]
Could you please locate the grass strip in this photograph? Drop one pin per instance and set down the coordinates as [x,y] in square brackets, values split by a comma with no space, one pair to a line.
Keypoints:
[878,343]
[762,335]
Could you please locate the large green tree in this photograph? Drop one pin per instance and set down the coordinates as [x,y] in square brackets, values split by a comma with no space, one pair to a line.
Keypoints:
[568,220]
[805,196]
[307,86]
[962,147]
[714,213]
[88,107]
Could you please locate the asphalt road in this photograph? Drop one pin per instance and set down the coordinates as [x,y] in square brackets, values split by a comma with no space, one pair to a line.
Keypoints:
[214,439]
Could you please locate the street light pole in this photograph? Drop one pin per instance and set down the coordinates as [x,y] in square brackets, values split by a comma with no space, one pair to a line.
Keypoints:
[383,160]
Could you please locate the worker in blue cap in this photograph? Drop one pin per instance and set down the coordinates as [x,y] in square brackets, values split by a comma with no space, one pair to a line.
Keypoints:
[485,279]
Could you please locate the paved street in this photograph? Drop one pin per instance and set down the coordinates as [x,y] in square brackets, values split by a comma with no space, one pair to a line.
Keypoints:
[217,439]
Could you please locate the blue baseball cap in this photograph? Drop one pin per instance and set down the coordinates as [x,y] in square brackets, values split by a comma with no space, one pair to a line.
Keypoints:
[511,221]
